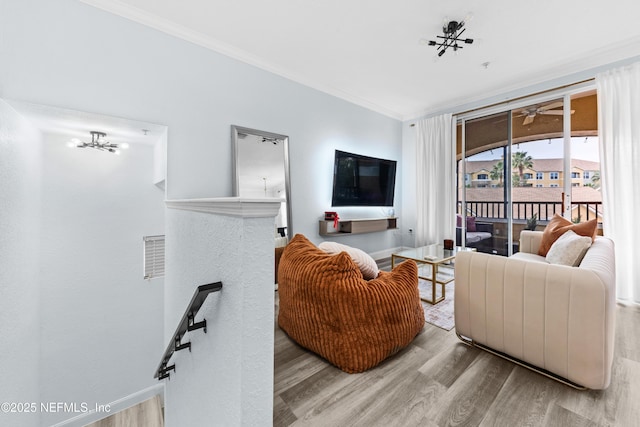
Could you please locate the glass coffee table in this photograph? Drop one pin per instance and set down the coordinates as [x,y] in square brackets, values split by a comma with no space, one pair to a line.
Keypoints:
[429,259]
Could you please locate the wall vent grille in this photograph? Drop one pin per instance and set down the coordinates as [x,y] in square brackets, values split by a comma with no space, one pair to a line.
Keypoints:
[153,256]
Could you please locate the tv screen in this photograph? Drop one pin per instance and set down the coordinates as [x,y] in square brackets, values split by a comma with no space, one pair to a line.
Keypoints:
[362,181]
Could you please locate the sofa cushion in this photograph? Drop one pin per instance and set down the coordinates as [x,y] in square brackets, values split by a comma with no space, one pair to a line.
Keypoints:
[476,236]
[363,260]
[471,224]
[569,249]
[559,225]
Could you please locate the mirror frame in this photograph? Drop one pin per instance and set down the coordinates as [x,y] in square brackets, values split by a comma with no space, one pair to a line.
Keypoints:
[235,130]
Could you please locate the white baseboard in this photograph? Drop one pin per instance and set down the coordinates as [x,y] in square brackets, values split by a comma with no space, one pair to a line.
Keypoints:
[386,253]
[115,406]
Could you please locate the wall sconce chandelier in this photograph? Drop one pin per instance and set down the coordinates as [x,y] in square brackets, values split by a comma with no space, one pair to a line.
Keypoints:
[452,32]
[98,142]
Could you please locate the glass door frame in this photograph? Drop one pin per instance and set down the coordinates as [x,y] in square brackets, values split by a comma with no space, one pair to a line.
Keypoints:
[565,93]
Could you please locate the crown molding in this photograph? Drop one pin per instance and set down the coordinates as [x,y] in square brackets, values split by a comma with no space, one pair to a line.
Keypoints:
[150,20]
[230,206]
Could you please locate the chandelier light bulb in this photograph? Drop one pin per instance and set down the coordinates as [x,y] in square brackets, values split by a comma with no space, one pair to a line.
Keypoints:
[124,145]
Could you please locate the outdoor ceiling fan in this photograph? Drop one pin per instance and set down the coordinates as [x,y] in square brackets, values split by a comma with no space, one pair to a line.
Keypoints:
[530,113]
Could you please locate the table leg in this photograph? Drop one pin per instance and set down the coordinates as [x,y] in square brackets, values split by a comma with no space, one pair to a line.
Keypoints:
[434,284]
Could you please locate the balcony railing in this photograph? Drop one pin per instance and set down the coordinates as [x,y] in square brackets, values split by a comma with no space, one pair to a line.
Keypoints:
[525,210]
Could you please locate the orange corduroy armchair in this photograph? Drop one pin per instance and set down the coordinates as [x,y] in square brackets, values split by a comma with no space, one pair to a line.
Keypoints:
[327,307]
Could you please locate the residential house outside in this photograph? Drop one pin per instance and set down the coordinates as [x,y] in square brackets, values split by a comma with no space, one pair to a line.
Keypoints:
[545,173]
[538,192]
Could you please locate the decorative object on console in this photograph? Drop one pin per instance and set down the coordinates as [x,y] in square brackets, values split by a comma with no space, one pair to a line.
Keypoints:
[327,307]
[448,244]
[98,142]
[452,31]
[332,216]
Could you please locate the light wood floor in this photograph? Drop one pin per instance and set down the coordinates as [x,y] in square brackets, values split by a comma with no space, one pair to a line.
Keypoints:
[438,381]
[145,414]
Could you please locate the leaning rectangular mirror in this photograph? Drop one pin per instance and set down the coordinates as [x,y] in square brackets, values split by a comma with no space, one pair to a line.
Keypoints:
[261,169]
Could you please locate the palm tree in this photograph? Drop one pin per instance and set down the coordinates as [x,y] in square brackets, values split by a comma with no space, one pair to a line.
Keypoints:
[515,180]
[521,161]
[497,172]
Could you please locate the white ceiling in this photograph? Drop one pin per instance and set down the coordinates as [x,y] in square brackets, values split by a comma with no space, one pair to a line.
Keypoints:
[369,51]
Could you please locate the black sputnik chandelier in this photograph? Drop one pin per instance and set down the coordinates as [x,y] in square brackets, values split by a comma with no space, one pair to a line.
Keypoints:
[99,143]
[451,37]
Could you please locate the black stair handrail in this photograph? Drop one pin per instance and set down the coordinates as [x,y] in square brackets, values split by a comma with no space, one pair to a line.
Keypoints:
[186,324]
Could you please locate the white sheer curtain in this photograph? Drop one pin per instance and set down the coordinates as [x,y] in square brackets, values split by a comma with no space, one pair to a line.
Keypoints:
[619,128]
[435,186]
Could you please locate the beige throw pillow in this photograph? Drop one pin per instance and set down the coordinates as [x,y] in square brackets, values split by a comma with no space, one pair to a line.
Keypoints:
[363,260]
[569,249]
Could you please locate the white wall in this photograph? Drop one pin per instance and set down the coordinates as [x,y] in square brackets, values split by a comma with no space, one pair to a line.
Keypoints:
[101,322]
[20,161]
[160,161]
[149,76]
[409,189]
[227,378]
[70,55]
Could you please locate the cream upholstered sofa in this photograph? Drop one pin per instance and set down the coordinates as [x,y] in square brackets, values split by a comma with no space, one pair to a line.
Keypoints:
[555,319]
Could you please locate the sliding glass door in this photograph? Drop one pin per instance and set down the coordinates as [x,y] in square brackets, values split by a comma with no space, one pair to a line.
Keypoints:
[538,161]
[483,179]
[520,167]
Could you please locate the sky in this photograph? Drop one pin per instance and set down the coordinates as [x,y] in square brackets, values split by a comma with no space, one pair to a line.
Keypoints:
[583,148]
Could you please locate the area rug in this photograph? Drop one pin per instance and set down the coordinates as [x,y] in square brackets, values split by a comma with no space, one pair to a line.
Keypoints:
[441,314]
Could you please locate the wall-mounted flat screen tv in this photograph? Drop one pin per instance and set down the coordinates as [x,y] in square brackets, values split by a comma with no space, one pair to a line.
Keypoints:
[362,181]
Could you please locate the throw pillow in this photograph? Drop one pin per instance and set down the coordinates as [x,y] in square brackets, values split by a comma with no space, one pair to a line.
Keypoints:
[458,220]
[569,249]
[363,260]
[471,224]
[559,225]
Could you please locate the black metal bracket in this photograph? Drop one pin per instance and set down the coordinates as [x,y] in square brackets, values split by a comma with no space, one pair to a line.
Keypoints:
[195,326]
[187,323]
[178,346]
[164,372]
